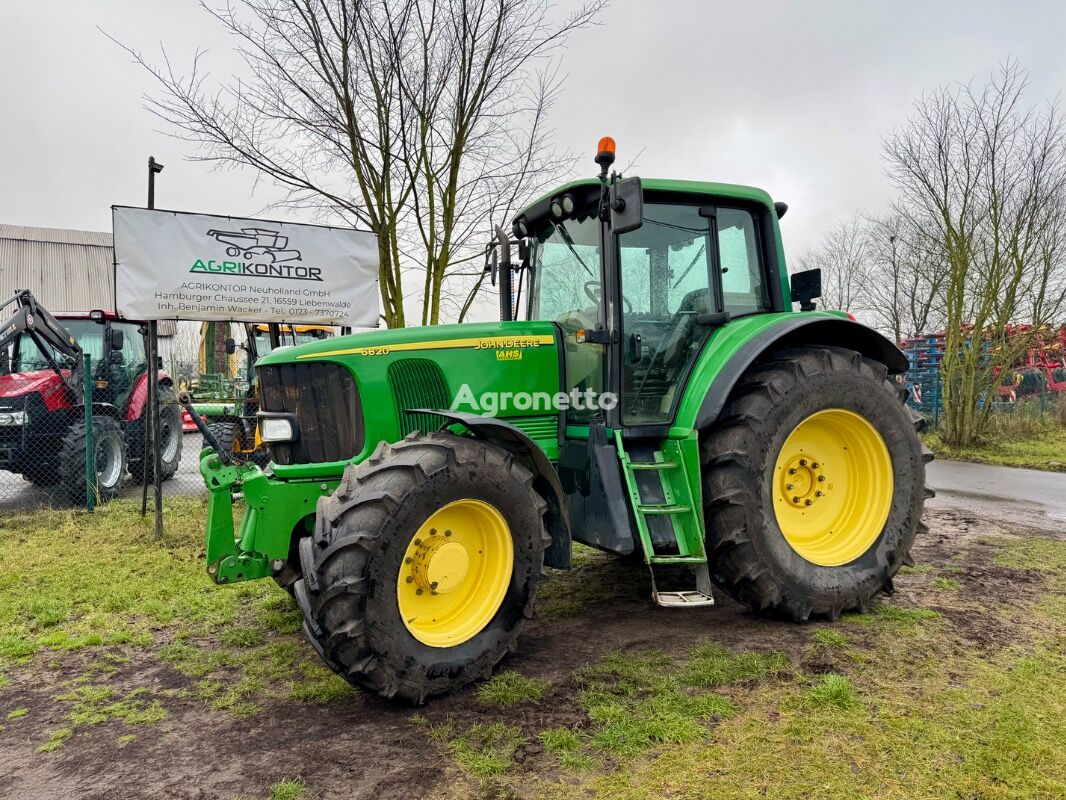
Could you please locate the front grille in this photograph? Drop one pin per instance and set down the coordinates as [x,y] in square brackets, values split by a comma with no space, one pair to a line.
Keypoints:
[418,383]
[326,404]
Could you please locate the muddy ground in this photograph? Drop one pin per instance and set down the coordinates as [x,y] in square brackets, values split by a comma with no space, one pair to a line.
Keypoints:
[364,748]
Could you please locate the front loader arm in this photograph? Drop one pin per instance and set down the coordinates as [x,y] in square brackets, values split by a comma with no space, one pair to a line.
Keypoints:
[46,332]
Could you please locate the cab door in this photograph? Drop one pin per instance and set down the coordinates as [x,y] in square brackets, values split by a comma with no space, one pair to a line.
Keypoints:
[688,267]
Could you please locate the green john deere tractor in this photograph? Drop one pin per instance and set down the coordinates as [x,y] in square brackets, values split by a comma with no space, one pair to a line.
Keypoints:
[660,397]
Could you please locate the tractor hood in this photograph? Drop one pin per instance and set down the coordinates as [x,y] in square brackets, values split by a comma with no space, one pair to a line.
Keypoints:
[19,383]
[45,382]
[508,370]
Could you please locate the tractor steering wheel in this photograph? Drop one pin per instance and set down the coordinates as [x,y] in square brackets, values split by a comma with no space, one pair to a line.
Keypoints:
[594,292]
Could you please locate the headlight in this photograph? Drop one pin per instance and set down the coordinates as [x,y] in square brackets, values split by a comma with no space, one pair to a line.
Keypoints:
[14,418]
[276,429]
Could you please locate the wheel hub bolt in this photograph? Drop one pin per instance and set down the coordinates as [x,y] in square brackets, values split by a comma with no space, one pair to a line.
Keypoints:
[418,591]
[818,494]
[807,502]
[410,579]
[821,477]
[795,499]
[792,471]
[803,462]
[788,486]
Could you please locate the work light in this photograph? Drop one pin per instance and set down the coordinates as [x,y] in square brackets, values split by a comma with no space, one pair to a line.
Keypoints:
[276,429]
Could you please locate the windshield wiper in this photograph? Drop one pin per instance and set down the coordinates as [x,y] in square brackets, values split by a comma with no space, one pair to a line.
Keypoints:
[570,244]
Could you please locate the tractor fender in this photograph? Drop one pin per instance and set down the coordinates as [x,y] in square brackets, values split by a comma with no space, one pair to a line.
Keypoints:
[798,332]
[546,479]
[138,398]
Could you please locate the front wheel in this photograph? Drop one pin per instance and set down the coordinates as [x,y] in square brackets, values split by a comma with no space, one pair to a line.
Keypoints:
[423,565]
[109,456]
[814,484]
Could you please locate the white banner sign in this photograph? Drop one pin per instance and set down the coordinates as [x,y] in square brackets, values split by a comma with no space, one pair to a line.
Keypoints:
[171,265]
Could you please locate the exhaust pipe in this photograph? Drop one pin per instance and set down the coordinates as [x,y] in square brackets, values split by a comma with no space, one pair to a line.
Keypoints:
[504,274]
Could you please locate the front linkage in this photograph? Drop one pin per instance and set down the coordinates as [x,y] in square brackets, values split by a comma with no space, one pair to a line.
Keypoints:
[256,550]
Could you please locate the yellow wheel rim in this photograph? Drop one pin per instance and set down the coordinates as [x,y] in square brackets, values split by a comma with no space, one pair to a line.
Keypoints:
[455,573]
[832,487]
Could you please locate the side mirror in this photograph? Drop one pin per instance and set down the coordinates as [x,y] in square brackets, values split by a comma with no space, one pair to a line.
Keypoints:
[118,339]
[806,286]
[231,347]
[626,200]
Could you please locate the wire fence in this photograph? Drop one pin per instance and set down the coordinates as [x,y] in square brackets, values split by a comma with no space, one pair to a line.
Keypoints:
[55,455]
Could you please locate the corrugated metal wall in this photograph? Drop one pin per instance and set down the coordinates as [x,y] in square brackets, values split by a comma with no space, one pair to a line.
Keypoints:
[66,270]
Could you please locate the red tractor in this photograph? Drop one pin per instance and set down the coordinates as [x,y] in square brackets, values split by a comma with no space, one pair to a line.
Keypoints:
[42,412]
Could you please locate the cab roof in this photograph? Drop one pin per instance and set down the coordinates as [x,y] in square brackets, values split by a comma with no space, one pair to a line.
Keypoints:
[735,191]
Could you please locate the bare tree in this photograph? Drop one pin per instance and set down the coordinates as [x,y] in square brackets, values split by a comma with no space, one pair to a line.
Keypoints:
[984,176]
[903,292]
[413,118]
[844,258]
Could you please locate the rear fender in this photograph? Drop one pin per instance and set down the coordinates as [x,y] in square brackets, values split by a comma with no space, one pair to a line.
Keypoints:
[138,398]
[794,330]
[546,479]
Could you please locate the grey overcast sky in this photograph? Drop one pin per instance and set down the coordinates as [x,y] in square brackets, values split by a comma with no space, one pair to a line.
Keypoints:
[790,96]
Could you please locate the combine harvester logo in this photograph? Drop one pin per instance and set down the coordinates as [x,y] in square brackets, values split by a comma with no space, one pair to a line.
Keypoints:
[257,244]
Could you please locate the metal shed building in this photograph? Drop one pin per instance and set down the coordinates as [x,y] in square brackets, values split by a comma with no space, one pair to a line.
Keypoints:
[66,270]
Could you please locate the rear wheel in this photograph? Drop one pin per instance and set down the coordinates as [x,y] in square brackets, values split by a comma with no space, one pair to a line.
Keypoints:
[170,438]
[814,484]
[109,450]
[423,565]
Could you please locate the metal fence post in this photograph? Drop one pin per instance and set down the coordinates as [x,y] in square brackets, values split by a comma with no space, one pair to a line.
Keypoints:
[90,448]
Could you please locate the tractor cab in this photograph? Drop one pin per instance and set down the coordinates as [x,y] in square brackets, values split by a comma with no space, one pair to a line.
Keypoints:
[637,308]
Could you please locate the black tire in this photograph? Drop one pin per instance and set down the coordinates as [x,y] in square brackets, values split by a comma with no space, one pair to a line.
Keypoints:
[749,556]
[170,434]
[230,436]
[351,564]
[110,447]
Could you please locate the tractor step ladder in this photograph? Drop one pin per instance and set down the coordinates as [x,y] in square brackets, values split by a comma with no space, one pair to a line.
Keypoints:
[681,506]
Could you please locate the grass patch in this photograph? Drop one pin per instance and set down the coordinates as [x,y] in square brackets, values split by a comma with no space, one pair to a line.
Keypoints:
[567,745]
[55,740]
[509,689]
[832,690]
[1039,553]
[93,704]
[638,700]
[830,637]
[483,751]
[82,581]
[287,790]
[946,584]
[902,620]
[17,713]
[320,685]
[712,666]
[1042,449]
